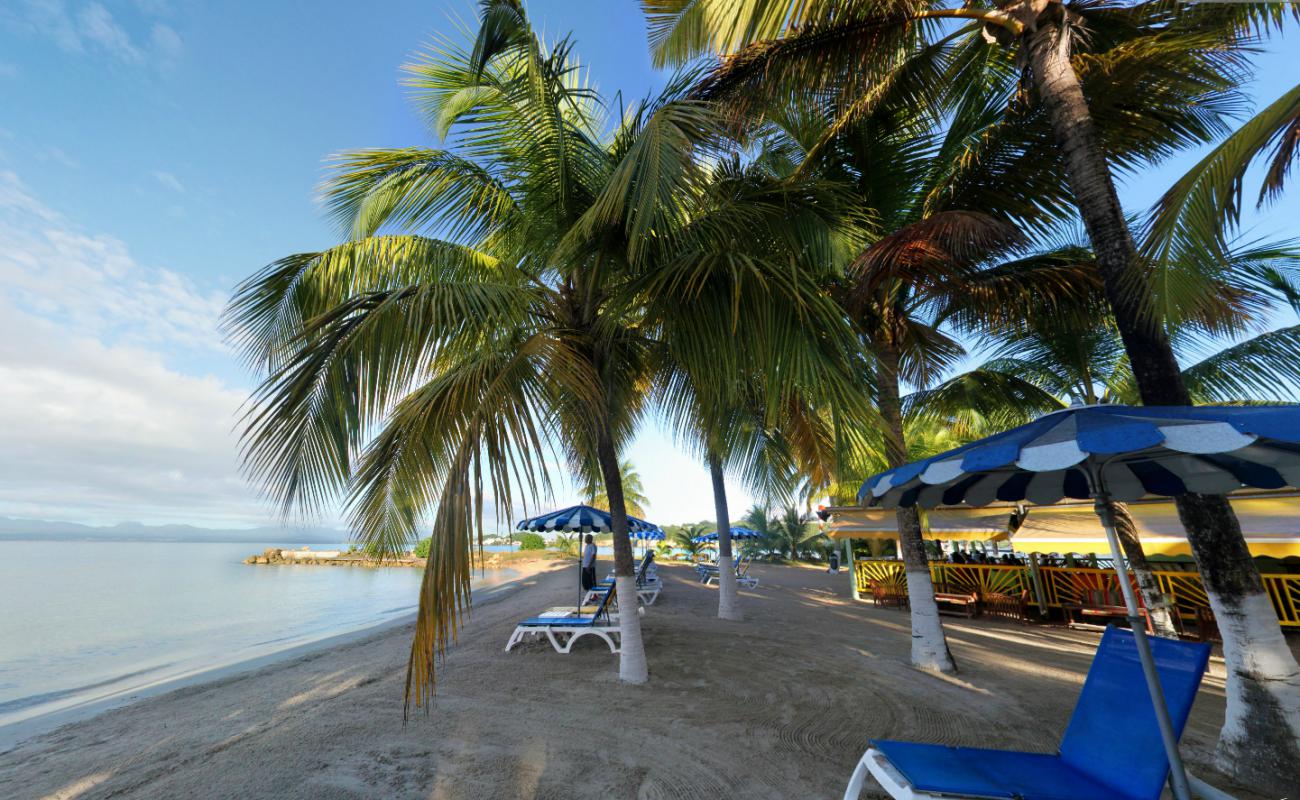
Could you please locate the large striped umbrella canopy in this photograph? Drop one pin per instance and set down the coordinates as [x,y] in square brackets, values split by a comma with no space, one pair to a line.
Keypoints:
[584,519]
[656,535]
[1124,452]
[1110,453]
[736,533]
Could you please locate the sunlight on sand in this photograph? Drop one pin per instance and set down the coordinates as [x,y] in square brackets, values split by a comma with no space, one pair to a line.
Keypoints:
[78,787]
[327,687]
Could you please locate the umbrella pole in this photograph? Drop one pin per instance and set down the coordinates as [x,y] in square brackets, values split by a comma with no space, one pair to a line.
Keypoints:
[1177,774]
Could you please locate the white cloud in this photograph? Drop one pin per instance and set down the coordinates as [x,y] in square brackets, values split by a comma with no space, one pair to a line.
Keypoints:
[156,8]
[96,25]
[98,425]
[52,154]
[91,285]
[90,27]
[167,43]
[169,180]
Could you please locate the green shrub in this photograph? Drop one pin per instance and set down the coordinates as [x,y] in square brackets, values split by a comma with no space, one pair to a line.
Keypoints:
[422,547]
[531,541]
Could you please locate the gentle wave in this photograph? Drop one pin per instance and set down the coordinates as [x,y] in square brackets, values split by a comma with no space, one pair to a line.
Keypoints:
[21,703]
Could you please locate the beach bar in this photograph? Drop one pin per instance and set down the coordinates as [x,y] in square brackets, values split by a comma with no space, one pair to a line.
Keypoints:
[1059,547]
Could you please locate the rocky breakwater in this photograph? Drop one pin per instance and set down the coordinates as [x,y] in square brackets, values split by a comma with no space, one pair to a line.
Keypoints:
[351,558]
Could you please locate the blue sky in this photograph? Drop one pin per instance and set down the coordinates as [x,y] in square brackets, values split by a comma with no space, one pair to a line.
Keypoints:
[155,152]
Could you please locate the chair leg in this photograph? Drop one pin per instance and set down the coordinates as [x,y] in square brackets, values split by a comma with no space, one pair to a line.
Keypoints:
[559,644]
[890,779]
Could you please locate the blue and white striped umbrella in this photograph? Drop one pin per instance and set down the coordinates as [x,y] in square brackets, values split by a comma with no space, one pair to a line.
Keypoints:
[656,535]
[736,534]
[584,519]
[1126,452]
[1110,453]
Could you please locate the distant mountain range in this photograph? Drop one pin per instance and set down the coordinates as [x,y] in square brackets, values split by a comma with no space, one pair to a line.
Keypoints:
[47,530]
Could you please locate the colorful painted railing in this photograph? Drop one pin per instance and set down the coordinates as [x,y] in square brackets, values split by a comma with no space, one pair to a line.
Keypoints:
[1073,585]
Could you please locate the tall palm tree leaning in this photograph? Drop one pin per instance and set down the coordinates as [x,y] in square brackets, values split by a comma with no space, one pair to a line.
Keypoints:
[497,300]
[1166,48]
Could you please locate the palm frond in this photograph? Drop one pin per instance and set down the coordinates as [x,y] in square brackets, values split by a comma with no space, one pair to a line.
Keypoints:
[1203,207]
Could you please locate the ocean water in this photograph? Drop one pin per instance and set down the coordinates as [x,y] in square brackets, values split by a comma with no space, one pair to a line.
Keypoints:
[83,622]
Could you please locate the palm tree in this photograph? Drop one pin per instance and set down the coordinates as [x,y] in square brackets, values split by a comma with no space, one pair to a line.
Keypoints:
[496,302]
[794,533]
[737,413]
[685,539]
[924,259]
[634,499]
[1084,62]
[1205,203]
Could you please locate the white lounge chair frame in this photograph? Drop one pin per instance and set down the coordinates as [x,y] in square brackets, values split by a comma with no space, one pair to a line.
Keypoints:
[890,779]
[709,574]
[562,637]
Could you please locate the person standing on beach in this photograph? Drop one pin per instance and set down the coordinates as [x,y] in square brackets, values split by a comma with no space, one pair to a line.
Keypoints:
[589,563]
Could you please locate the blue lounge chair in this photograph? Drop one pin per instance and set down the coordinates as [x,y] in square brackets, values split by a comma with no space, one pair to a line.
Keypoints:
[741,567]
[563,628]
[1111,750]
[647,587]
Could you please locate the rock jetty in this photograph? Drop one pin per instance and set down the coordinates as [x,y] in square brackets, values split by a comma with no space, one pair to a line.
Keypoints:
[346,558]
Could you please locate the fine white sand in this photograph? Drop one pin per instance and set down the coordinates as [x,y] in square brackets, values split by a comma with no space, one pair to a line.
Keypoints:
[778,706]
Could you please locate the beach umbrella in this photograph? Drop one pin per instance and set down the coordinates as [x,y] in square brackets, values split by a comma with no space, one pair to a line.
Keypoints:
[656,535]
[736,534]
[583,519]
[1104,453]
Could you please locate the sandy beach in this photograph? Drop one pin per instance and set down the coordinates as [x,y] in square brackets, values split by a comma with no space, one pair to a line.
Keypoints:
[777,706]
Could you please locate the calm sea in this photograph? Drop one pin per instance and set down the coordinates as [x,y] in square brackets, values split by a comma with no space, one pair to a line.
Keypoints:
[82,622]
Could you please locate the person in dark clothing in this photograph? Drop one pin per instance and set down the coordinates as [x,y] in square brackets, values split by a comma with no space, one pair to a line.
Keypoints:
[589,563]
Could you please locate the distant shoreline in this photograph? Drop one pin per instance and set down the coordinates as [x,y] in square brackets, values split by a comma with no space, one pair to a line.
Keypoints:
[14,734]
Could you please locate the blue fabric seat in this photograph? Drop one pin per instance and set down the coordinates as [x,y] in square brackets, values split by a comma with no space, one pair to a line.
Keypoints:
[1111,749]
[582,621]
[640,572]
[567,622]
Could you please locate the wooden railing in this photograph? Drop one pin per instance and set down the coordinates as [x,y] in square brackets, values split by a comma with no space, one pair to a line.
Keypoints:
[1073,585]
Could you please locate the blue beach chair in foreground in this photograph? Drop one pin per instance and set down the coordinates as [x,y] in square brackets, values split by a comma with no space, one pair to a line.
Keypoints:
[1111,750]
[564,627]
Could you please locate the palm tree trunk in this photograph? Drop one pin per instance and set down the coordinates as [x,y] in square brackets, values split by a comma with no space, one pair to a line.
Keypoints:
[929,647]
[1260,740]
[728,591]
[1157,604]
[632,666]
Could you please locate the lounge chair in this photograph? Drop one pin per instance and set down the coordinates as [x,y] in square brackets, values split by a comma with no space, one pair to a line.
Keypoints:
[651,569]
[1111,750]
[741,568]
[562,629]
[647,588]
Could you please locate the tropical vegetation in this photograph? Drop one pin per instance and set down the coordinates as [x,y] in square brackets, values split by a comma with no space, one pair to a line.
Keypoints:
[531,541]
[634,499]
[1055,81]
[782,255]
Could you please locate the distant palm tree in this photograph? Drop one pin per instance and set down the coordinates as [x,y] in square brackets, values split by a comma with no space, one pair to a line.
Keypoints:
[685,539]
[794,533]
[633,491]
